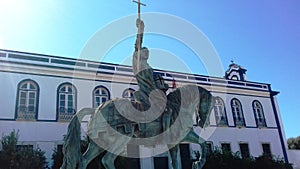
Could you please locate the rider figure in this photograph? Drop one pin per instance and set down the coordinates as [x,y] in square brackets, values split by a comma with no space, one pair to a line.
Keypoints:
[143,72]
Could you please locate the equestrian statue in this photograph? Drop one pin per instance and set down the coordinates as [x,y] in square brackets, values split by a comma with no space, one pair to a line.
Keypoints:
[152,118]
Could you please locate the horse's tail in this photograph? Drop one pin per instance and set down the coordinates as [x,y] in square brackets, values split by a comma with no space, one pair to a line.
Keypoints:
[207,103]
[71,147]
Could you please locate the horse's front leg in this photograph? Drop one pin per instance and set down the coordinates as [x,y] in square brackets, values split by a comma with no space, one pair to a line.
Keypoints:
[108,160]
[192,137]
[174,151]
[116,149]
[92,152]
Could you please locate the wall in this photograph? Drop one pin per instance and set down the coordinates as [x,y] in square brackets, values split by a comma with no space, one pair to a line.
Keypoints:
[294,158]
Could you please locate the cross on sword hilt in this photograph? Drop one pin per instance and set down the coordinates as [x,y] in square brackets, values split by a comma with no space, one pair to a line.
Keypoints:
[139,7]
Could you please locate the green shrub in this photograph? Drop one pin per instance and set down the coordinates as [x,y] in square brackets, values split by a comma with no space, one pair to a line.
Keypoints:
[57,158]
[266,162]
[228,160]
[11,158]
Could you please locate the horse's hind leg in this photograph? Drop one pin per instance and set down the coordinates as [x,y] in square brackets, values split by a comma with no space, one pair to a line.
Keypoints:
[174,150]
[192,137]
[92,152]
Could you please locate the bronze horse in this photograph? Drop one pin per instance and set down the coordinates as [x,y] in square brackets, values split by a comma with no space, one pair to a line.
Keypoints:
[110,132]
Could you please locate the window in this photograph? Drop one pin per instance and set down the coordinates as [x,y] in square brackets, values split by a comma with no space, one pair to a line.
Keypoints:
[237,112]
[128,93]
[66,105]
[59,148]
[234,77]
[220,114]
[27,100]
[266,149]
[259,114]
[100,95]
[244,147]
[24,147]
[185,155]
[161,162]
[226,147]
[133,150]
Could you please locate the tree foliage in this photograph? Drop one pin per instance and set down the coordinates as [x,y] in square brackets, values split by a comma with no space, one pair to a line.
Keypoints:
[12,158]
[294,143]
[228,160]
[57,158]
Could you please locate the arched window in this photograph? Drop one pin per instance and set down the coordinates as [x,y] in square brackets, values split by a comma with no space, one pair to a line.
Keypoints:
[220,114]
[100,95]
[234,77]
[259,114]
[237,112]
[66,103]
[128,93]
[27,100]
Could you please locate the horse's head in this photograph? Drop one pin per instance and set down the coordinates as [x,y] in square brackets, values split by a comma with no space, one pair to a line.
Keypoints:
[204,107]
[190,97]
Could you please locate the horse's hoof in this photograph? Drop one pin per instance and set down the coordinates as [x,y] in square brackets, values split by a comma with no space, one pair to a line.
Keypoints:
[195,165]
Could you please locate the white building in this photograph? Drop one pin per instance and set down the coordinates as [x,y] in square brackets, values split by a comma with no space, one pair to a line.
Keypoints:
[40,93]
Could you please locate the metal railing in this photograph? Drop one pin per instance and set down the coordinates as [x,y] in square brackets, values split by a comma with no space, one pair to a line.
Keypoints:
[261,123]
[26,113]
[65,114]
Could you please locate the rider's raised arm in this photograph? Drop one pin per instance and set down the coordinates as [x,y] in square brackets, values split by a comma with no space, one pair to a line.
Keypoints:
[139,37]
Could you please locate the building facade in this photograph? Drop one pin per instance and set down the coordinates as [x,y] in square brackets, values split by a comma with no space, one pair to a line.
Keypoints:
[40,94]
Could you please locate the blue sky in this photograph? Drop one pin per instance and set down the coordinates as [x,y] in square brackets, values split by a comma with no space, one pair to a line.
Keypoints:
[261,35]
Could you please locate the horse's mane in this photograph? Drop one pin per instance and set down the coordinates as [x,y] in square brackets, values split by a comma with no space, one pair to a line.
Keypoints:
[175,96]
[205,101]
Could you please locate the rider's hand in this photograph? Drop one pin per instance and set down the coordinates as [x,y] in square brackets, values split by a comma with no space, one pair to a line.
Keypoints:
[139,23]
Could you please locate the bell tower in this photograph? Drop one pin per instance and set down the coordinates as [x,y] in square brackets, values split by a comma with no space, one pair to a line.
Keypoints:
[236,72]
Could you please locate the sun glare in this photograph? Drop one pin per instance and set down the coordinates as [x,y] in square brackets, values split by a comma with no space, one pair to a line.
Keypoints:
[1,44]
[5,4]
[1,41]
